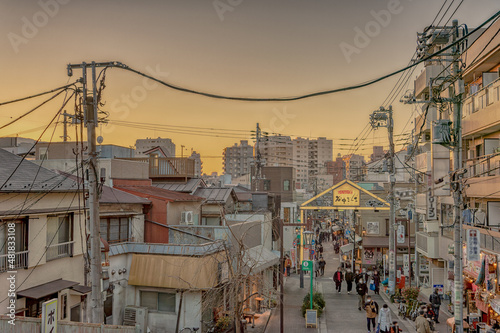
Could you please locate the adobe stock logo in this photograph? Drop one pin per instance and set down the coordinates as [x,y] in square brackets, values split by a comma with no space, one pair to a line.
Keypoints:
[30,28]
[223,6]
[372,29]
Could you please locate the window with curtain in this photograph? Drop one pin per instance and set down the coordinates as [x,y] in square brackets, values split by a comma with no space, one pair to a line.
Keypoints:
[115,229]
[59,237]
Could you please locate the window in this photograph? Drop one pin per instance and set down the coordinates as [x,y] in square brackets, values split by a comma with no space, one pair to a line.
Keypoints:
[59,237]
[286,214]
[115,229]
[286,185]
[19,230]
[267,185]
[164,302]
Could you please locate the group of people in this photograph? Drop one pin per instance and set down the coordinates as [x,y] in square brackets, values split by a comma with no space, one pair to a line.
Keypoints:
[382,318]
[362,277]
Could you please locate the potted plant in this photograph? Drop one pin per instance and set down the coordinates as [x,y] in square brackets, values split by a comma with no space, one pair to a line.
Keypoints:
[318,303]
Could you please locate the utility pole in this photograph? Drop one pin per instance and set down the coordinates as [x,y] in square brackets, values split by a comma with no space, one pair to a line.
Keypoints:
[65,127]
[455,182]
[89,103]
[282,270]
[258,163]
[383,118]
[182,151]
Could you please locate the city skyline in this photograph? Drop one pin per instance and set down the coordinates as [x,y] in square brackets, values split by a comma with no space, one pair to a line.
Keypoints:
[246,49]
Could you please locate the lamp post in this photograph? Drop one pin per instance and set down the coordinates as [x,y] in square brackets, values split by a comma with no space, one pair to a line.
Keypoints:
[308,236]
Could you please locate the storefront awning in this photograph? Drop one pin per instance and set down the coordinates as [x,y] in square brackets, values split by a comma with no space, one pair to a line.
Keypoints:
[336,228]
[259,258]
[347,248]
[46,289]
[358,238]
[82,289]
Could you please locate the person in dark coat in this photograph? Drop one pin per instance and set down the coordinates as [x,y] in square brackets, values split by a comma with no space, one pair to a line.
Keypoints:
[376,282]
[349,277]
[435,300]
[322,264]
[338,277]
[361,289]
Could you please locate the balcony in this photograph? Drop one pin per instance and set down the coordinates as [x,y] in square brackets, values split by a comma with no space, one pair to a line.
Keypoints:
[484,173]
[20,261]
[422,82]
[168,167]
[481,113]
[428,244]
[60,250]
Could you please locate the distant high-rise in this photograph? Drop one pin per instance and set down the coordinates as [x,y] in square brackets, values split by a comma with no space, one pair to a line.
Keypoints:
[354,167]
[198,164]
[378,153]
[308,157]
[143,145]
[238,159]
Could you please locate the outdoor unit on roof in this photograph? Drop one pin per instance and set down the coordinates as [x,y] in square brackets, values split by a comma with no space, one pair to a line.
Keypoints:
[187,217]
[136,316]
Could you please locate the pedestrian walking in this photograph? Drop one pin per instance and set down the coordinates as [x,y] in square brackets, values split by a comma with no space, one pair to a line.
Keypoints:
[322,264]
[376,282]
[288,265]
[385,319]
[361,289]
[395,327]
[371,308]
[435,300]
[349,277]
[422,324]
[338,277]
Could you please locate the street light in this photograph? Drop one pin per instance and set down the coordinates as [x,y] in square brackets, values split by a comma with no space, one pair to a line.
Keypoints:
[308,236]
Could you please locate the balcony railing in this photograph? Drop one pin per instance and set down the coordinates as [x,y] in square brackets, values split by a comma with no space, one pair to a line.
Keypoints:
[20,261]
[60,250]
[168,167]
[484,166]
[482,98]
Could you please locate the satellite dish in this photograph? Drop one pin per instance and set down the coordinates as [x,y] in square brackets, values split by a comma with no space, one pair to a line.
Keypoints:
[99,139]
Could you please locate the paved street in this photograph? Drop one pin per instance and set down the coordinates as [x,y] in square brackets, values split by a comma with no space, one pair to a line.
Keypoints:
[341,313]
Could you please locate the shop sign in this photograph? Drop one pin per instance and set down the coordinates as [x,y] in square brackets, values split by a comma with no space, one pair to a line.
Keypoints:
[49,316]
[431,201]
[346,195]
[439,287]
[401,234]
[406,264]
[473,246]
[293,256]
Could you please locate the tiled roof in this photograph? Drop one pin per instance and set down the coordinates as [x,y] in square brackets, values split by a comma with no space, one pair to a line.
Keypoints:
[113,195]
[27,176]
[159,193]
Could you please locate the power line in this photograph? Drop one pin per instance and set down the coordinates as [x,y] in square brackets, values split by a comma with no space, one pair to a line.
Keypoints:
[40,94]
[315,94]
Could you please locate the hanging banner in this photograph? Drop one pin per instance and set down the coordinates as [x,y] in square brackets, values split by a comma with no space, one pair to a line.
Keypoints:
[473,245]
[406,264]
[400,235]
[49,316]
[431,201]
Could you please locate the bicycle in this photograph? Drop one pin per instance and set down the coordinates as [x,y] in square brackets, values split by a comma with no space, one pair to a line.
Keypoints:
[191,330]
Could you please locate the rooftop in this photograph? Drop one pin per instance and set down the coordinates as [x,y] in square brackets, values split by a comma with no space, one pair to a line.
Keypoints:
[18,175]
[160,193]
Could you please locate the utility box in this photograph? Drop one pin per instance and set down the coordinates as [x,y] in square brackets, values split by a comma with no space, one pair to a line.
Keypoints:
[441,132]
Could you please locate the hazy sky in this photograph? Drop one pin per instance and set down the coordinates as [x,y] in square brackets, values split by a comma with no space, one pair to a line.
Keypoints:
[232,47]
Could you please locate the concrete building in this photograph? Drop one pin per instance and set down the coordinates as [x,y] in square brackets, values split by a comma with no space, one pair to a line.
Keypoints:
[336,169]
[378,153]
[18,146]
[277,150]
[238,159]
[354,167]
[143,145]
[198,164]
[300,158]
[320,152]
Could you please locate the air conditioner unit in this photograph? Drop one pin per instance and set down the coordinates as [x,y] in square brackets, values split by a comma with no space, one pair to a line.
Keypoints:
[136,316]
[187,217]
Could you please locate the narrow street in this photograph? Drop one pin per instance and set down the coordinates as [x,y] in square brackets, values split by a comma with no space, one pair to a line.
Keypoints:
[341,312]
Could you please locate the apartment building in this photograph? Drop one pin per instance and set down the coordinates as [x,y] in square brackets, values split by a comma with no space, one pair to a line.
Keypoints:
[143,145]
[198,164]
[354,165]
[237,159]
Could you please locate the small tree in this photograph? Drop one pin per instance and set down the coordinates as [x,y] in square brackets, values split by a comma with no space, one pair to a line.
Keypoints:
[410,293]
[318,303]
